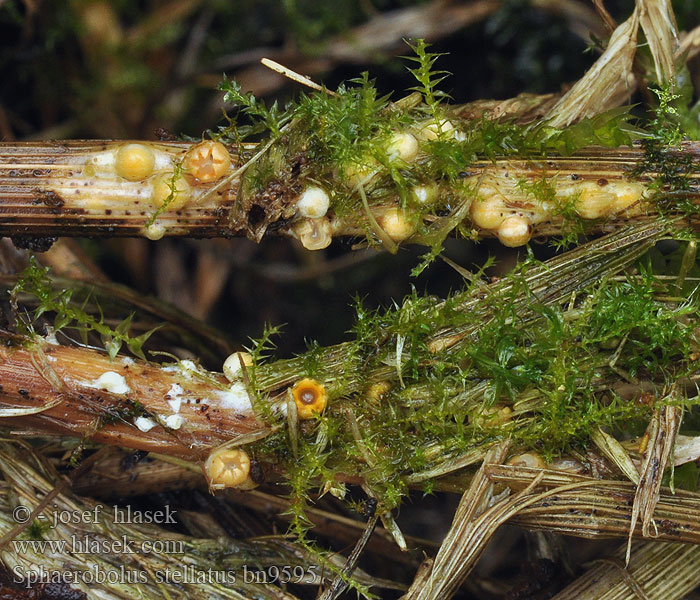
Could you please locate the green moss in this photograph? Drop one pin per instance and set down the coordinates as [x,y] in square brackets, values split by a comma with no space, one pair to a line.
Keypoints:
[428,79]
[673,120]
[172,185]
[69,312]
[654,334]
[554,363]
[572,225]
[334,139]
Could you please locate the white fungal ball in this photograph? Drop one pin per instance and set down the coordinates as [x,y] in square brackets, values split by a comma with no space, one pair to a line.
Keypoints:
[144,423]
[433,129]
[111,381]
[514,232]
[314,234]
[313,203]
[425,193]
[134,161]
[174,421]
[398,224]
[154,231]
[403,146]
[232,365]
[356,173]
[529,459]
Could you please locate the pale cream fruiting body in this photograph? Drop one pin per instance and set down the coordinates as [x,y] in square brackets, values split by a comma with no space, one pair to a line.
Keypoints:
[424,194]
[232,365]
[528,459]
[514,231]
[505,207]
[173,189]
[398,224]
[402,146]
[314,234]
[488,213]
[313,203]
[360,173]
[432,130]
[154,232]
[227,468]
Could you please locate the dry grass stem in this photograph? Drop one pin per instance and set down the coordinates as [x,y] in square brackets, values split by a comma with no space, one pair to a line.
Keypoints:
[658,21]
[656,571]
[661,433]
[607,83]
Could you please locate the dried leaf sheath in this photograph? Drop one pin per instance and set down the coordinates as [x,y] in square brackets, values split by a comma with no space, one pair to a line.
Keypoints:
[67,189]
[71,375]
[658,570]
[70,189]
[602,510]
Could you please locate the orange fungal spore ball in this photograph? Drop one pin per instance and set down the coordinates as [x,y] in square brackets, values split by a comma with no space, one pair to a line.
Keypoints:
[310,397]
[207,161]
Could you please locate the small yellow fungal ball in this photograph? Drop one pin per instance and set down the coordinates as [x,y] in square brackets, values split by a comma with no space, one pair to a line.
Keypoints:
[164,186]
[207,161]
[232,365]
[227,468]
[432,130]
[154,231]
[314,234]
[425,193]
[398,224]
[514,231]
[134,161]
[593,203]
[626,194]
[356,173]
[313,202]
[403,146]
[529,459]
[310,397]
[487,213]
